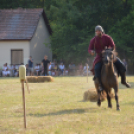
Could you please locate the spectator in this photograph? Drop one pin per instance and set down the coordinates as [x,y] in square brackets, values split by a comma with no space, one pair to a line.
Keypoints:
[85,69]
[70,69]
[53,73]
[49,69]
[14,70]
[17,70]
[41,69]
[5,71]
[66,72]
[61,68]
[56,69]
[30,65]
[73,67]
[52,65]
[61,61]
[37,68]
[27,70]
[10,67]
[0,71]
[45,62]
[80,69]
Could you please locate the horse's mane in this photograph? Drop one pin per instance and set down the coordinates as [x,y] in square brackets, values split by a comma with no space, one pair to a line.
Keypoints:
[114,51]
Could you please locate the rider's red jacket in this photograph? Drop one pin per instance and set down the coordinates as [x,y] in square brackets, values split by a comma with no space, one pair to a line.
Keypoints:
[98,44]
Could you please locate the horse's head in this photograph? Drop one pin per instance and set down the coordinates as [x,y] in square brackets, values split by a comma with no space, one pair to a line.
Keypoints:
[108,56]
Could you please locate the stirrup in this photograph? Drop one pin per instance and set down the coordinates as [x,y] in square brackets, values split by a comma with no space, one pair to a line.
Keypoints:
[94,78]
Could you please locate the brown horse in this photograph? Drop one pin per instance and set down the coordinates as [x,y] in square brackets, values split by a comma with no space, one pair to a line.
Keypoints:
[109,78]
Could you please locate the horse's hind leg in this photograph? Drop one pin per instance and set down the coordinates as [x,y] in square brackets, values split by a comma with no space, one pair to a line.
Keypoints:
[117,98]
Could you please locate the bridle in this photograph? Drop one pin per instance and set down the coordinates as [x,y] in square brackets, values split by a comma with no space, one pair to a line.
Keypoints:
[107,52]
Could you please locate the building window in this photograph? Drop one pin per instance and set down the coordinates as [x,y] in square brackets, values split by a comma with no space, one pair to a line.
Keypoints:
[16,56]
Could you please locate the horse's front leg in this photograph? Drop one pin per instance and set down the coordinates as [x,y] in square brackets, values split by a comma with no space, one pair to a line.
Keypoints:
[99,98]
[117,98]
[98,92]
[109,100]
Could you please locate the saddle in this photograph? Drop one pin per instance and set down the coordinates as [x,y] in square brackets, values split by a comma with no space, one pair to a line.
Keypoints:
[116,70]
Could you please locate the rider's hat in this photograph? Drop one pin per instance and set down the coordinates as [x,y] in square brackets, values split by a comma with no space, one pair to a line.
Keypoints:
[99,28]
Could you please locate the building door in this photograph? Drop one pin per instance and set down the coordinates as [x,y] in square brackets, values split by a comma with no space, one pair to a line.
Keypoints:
[16,56]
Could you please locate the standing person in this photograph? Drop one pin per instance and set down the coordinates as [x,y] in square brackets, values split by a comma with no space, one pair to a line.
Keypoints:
[62,68]
[46,63]
[71,68]
[56,69]
[30,65]
[52,65]
[41,69]
[50,69]
[85,69]
[37,69]
[14,70]
[74,67]
[80,68]
[27,70]
[98,44]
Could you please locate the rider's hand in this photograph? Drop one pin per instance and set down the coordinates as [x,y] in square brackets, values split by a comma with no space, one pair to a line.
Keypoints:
[92,52]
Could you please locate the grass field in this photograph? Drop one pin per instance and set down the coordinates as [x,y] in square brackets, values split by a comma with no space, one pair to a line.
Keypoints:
[57,108]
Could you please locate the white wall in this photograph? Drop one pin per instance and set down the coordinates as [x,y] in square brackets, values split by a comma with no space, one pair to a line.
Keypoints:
[5,50]
[37,46]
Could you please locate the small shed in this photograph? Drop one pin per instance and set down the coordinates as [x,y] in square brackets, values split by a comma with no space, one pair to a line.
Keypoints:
[24,33]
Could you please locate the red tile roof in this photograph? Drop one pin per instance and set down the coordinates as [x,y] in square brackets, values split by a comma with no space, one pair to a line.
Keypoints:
[20,24]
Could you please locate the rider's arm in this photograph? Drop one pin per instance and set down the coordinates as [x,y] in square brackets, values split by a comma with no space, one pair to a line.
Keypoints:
[111,43]
[91,46]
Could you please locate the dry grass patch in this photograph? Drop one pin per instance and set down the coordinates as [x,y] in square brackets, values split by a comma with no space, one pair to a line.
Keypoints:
[58,108]
[39,79]
[91,95]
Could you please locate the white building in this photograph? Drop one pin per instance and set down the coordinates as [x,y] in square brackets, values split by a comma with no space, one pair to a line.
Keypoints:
[24,33]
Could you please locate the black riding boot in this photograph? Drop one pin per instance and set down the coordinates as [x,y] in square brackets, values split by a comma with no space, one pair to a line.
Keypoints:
[123,79]
[100,84]
[122,72]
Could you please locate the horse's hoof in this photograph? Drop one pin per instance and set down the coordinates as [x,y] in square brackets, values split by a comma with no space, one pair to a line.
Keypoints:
[118,109]
[128,85]
[99,104]
[110,107]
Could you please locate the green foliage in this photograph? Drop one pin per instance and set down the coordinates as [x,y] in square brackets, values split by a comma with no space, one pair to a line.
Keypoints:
[122,32]
[73,22]
[4,4]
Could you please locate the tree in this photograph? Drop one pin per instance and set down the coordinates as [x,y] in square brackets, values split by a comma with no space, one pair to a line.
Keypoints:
[73,23]
[122,32]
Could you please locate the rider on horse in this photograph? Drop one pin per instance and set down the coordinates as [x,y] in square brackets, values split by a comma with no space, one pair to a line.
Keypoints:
[98,44]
